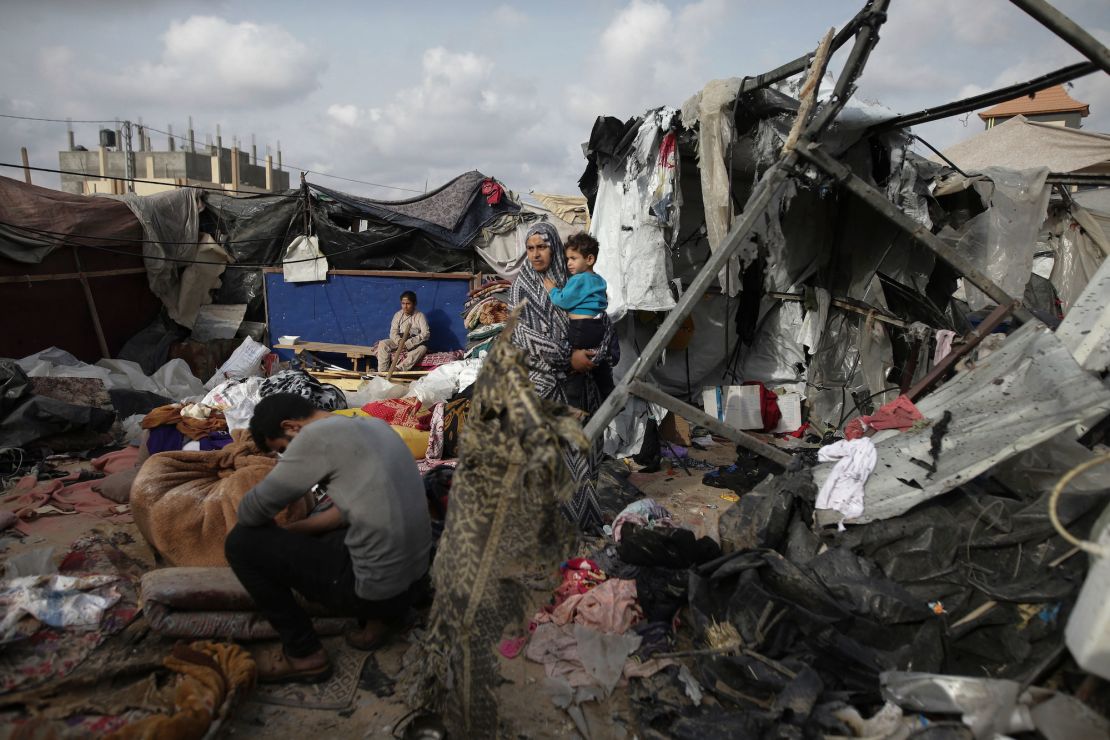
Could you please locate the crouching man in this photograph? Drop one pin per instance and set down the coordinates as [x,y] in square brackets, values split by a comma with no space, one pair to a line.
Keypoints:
[363,557]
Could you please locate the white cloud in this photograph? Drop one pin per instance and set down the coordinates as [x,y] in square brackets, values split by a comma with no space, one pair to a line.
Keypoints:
[650,55]
[509,17]
[204,58]
[345,114]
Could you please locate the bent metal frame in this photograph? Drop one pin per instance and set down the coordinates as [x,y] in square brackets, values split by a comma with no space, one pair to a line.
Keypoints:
[808,156]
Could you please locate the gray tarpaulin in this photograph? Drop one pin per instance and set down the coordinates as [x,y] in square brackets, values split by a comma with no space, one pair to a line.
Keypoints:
[171,225]
[1001,240]
[1029,390]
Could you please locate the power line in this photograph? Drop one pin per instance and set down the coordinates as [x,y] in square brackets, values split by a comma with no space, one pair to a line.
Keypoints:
[208,188]
[52,120]
[290,165]
[116,239]
[145,127]
[235,265]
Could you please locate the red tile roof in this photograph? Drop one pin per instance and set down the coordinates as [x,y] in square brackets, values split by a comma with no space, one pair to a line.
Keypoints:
[1051,100]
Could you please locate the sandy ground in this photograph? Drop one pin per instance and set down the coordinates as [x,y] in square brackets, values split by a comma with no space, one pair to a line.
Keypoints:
[524,704]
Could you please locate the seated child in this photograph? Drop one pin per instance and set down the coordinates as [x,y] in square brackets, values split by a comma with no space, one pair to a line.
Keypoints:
[585,301]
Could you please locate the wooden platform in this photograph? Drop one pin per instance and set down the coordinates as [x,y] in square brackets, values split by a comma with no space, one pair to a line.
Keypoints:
[354,352]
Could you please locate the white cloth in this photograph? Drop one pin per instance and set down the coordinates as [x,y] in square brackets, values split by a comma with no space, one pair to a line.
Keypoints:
[944,345]
[304,262]
[843,489]
[637,203]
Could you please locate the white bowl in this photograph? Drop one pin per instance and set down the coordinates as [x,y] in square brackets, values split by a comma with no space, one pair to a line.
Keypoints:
[292,339]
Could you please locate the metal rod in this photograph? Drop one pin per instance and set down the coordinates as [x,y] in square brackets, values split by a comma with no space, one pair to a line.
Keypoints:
[937,152]
[765,191]
[1068,30]
[971,341]
[918,232]
[1078,178]
[975,102]
[867,35]
[653,394]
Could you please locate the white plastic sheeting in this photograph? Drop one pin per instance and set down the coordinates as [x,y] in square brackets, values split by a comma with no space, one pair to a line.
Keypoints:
[635,212]
[1080,247]
[304,262]
[625,434]
[1026,392]
[173,380]
[1085,331]
[1001,240]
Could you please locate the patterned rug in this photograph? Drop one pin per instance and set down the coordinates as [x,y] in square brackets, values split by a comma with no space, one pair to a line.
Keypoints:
[50,653]
[336,693]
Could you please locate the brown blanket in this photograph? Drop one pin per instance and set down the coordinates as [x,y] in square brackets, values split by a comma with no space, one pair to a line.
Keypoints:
[185,503]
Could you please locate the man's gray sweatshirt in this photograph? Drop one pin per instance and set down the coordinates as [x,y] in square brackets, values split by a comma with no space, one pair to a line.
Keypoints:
[371,477]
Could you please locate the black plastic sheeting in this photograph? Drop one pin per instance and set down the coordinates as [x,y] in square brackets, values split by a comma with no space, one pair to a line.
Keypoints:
[381,245]
[255,230]
[821,613]
[25,417]
[452,215]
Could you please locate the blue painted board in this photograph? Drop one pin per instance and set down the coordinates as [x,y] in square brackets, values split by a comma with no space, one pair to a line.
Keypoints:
[357,309]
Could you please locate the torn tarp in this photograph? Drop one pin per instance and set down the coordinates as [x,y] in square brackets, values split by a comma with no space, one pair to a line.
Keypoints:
[1029,390]
[452,215]
[171,227]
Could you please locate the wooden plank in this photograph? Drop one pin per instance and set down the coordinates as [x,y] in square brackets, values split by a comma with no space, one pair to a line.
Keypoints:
[70,275]
[390,273]
[351,350]
[697,416]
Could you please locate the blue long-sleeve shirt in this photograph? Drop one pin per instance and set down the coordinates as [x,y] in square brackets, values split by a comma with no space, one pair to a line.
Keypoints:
[584,293]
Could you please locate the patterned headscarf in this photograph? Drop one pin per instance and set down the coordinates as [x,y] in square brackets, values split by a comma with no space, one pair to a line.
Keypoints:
[542,329]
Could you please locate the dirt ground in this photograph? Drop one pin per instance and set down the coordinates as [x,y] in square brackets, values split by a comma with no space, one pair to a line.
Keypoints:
[524,704]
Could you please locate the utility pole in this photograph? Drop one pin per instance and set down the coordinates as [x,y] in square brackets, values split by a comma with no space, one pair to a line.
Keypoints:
[128,157]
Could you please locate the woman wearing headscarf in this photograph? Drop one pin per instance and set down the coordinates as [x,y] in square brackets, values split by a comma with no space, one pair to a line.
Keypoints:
[542,332]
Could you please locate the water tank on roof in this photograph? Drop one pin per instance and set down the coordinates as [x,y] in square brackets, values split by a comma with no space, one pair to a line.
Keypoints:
[107,137]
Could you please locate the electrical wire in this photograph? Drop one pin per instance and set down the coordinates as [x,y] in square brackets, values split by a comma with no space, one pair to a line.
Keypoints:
[51,120]
[115,240]
[145,128]
[206,188]
[232,265]
[292,166]
[1087,546]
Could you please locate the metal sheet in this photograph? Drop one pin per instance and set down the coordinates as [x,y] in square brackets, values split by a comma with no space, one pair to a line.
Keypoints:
[1029,390]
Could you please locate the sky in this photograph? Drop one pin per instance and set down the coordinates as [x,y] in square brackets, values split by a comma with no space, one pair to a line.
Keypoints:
[409,95]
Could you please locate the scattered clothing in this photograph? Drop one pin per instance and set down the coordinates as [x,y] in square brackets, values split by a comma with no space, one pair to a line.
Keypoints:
[843,490]
[323,396]
[646,512]
[610,606]
[193,426]
[510,648]
[944,345]
[899,414]
[665,548]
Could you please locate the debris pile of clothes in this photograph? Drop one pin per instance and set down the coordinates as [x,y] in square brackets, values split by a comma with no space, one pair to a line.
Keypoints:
[484,315]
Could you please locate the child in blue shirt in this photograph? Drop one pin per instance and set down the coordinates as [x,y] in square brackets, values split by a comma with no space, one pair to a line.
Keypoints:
[584,299]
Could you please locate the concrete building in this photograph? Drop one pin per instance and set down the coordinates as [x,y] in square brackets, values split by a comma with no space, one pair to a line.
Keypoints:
[215,167]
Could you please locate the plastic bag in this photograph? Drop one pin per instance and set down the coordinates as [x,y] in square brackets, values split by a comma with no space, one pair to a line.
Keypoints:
[374,389]
[437,386]
[245,362]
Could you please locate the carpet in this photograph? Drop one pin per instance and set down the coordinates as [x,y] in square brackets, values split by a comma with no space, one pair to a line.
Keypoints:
[336,693]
